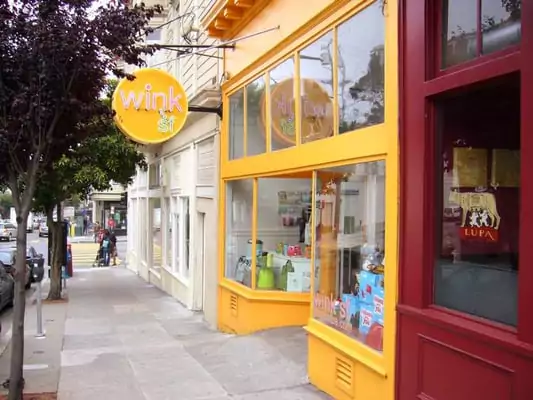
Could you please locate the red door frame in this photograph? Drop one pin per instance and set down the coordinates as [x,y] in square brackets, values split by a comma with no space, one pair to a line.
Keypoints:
[419,82]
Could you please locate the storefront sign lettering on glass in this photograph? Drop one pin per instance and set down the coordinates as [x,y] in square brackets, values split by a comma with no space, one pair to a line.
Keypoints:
[152,108]
[316,110]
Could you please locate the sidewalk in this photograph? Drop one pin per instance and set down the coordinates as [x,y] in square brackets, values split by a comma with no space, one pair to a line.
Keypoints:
[126,339]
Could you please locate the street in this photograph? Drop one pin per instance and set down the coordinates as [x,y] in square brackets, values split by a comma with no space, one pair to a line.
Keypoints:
[41,246]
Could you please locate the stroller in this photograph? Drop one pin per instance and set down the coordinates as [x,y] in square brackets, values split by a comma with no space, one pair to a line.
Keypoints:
[99,261]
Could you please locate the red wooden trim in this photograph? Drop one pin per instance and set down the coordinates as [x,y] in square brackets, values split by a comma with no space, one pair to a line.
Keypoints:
[525,274]
[468,328]
[486,322]
[479,60]
[434,43]
[413,187]
[479,70]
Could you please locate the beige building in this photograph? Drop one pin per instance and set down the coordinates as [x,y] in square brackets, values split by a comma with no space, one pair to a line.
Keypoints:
[172,207]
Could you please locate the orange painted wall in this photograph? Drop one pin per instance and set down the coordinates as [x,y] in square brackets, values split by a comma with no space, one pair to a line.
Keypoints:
[288,14]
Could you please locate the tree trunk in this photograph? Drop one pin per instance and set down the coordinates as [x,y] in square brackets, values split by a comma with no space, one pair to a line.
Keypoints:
[17,340]
[56,234]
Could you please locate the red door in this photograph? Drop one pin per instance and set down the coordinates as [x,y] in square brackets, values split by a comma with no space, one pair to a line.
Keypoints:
[465,320]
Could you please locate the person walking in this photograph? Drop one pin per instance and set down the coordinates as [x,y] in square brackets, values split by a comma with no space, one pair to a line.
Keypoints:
[105,248]
[96,232]
[114,251]
[85,225]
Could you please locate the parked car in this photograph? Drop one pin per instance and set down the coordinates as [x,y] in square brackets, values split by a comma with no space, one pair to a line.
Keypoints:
[7,288]
[43,230]
[8,258]
[8,231]
[35,261]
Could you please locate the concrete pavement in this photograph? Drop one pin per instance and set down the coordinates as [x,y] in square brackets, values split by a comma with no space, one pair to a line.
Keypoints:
[123,338]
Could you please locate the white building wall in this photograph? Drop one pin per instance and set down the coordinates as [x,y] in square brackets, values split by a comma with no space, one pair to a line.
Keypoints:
[157,247]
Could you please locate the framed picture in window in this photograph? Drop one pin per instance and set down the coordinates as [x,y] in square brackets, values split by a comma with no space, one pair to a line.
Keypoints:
[505,168]
[469,167]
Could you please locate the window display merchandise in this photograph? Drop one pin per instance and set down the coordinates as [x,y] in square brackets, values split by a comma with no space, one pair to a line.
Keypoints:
[349,249]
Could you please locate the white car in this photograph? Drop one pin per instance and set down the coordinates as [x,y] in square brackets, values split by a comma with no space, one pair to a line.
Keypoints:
[8,231]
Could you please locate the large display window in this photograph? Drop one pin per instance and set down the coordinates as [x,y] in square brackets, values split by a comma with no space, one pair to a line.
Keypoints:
[350,250]
[334,85]
[478,189]
[238,238]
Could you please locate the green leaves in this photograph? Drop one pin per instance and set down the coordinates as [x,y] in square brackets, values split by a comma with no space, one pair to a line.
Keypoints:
[90,165]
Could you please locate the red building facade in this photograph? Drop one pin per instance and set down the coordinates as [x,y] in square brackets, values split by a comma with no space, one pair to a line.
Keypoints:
[465,320]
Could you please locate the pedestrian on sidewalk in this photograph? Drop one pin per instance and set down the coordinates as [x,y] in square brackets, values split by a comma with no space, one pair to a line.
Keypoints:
[85,225]
[114,251]
[96,231]
[105,248]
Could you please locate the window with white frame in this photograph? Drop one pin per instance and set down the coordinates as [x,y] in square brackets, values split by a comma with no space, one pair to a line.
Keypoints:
[176,230]
[168,232]
[185,203]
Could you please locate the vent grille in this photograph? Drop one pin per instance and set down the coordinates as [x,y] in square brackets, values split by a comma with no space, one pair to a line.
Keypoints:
[233,305]
[344,375]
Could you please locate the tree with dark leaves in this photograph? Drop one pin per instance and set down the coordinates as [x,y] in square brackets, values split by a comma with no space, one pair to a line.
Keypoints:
[55,56]
[91,165]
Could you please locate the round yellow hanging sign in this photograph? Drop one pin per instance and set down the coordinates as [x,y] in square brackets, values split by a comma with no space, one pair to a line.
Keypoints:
[152,108]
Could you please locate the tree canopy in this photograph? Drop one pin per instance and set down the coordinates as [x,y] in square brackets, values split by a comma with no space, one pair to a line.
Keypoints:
[55,58]
[91,165]
[56,55]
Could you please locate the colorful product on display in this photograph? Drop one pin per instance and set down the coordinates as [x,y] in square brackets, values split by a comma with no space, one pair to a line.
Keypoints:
[352,304]
[369,283]
[379,305]
[366,318]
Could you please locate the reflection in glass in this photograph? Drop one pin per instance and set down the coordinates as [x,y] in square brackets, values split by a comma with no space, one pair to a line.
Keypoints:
[236,125]
[361,70]
[500,23]
[157,240]
[350,250]
[284,234]
[316,71]
[282,105]
[239,211]
[476,269]
[255,114]
[459,28]
[500,28]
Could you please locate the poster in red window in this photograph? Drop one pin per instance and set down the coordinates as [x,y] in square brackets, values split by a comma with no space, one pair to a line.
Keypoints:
[480,219]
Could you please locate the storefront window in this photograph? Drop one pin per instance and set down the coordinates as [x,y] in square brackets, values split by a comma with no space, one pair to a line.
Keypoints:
[176,234]
[186,232]
[144,230]
[500,28]
[361,69]
[476,269]
[350,250]
[284,234]
[238,240]
[157,240]
[168,235]
[236,125]
[500,23]
[282,105]
[316,72]
[255,118]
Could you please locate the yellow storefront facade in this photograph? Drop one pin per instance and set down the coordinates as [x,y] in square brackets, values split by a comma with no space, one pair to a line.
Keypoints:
[309,182]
